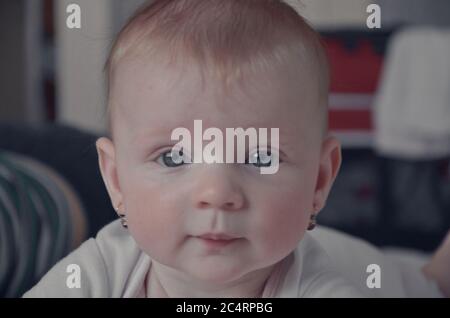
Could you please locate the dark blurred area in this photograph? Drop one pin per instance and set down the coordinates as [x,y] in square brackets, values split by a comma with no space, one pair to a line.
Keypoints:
[394,185]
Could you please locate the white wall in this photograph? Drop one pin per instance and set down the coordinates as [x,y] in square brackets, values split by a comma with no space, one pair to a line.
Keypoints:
[329,14]
[80,56]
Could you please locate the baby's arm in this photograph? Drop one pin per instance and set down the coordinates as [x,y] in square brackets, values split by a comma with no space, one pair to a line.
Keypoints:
[438,268]
[90,271]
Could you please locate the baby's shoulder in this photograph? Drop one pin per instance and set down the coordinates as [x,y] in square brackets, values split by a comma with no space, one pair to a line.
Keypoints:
[329,284]
[319,277]
[98,268]
[359,262]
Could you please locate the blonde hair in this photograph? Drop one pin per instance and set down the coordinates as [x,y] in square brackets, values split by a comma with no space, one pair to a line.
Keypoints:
[225,37]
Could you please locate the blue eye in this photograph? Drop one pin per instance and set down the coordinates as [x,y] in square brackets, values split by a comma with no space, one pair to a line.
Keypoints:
[261,158]
[172,159]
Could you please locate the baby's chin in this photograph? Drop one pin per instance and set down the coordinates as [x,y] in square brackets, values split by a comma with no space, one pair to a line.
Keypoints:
[215,270]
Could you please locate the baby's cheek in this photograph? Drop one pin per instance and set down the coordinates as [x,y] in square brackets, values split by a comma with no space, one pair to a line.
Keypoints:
[152,222]
[283,223]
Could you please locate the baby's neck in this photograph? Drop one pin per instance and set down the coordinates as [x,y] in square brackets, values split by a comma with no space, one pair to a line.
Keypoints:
[165,282]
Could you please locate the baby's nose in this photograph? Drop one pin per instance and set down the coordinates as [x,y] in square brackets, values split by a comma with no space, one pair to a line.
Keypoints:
[218,188]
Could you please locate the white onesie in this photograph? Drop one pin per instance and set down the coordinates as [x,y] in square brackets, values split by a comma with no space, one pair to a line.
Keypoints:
[112,265]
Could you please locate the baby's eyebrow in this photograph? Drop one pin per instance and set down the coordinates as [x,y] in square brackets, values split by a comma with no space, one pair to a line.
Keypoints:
[148,144]
[154,137]
[151,138]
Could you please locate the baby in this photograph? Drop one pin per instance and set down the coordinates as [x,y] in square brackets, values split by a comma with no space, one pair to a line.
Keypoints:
[191,229]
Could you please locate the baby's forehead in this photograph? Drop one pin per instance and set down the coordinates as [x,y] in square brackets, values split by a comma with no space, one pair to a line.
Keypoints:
[140,81]
[164,98]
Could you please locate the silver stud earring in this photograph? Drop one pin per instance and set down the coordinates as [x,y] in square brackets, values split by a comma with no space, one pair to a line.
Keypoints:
[123,218]
[312,222]
[313,217]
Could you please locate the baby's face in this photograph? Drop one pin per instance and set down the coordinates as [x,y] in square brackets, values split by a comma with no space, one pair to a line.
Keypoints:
[167,208]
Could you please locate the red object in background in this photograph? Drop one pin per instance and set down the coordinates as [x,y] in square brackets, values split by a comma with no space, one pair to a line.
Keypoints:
[48,18]
[360,120]
[48,82]
[353,70]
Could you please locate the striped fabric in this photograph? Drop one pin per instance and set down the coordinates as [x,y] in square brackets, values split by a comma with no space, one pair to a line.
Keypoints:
[41,221]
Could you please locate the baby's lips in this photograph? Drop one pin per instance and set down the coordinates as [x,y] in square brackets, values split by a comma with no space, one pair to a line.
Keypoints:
[217,236]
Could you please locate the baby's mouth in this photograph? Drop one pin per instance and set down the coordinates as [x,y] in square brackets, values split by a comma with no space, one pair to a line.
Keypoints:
[217,236]
[217,240]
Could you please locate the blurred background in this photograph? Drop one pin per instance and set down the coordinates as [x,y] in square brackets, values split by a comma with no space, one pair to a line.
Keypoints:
[389,105]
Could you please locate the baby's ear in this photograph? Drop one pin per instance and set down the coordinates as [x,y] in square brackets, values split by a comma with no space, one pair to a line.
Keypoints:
[330,162]
[108,169]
